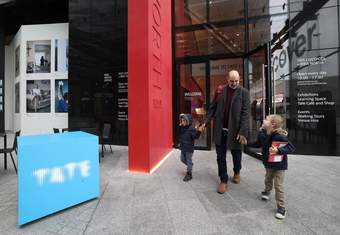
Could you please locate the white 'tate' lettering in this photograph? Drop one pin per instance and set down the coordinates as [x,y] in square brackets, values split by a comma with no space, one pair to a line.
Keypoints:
[58,175]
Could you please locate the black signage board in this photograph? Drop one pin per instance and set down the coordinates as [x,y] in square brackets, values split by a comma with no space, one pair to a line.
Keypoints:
[98,67]
[314,88]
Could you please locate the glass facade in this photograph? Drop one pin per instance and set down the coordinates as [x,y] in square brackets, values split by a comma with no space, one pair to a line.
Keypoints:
[287,53]
[98,67]
[313,53]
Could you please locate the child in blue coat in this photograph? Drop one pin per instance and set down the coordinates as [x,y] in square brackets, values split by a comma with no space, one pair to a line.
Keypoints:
[275,147]
[187,142]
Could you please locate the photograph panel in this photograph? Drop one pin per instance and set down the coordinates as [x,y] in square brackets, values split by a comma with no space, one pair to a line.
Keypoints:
[61,96]
[38,56]
[17,61]
[38,96]
[61,55]
[17,97]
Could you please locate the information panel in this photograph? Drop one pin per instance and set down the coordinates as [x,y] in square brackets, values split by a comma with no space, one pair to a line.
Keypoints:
[55,172]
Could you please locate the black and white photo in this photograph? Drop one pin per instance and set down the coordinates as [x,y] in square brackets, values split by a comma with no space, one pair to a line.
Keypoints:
[38,96]
[38,56]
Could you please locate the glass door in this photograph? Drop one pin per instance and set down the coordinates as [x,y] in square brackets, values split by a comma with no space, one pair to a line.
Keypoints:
[257,68]
[192,97]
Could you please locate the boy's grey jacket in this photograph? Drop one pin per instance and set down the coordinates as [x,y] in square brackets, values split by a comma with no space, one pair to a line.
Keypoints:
[188,135]
[239,115]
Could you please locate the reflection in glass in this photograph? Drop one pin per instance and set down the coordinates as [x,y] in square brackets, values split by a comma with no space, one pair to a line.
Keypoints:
[264,30]
[259,33]
[190,12]
[213,40]
[193,43]
[267,7]
[226,10]
[219,70]
[257,91]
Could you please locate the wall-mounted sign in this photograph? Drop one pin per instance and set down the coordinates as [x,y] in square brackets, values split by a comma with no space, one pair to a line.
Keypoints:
[122,99]
[56,171]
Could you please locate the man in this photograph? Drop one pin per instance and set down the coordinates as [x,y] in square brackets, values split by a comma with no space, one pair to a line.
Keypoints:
[230,110]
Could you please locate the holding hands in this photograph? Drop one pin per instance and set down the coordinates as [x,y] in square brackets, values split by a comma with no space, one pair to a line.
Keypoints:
[241,139]
[200,128]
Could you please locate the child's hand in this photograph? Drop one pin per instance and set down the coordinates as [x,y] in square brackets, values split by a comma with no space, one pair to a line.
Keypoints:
[273,150]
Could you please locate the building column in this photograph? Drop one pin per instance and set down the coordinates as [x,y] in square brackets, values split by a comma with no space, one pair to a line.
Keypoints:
[149,83]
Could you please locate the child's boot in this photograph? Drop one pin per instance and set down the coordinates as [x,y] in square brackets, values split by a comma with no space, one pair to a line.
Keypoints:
[188,176]
[265,196]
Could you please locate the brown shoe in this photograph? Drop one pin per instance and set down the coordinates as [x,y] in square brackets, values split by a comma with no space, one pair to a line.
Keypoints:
[222,188]
[236,178]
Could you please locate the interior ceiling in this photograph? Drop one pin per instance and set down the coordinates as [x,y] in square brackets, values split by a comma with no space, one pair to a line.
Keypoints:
[25,12]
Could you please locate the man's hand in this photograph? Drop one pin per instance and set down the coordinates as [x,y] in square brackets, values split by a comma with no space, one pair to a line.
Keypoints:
[241,139]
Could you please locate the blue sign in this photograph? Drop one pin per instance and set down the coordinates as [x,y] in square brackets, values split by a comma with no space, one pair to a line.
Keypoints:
[55,172]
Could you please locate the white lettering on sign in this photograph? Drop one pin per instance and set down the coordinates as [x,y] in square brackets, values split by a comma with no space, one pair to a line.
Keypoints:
[195,93]
[58,175]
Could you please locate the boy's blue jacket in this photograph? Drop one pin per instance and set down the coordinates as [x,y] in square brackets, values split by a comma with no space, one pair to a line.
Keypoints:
[188,135]
[265,141]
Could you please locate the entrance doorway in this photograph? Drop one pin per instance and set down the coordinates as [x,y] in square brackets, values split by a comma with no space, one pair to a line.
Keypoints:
[192,97]
[197,84]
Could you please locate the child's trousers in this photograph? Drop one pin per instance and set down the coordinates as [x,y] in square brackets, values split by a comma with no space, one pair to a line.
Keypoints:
[278,177]
[186,158]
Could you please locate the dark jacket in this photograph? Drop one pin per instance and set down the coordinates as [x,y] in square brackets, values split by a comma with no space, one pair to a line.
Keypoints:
[265,141]
[188,135]
[239,116]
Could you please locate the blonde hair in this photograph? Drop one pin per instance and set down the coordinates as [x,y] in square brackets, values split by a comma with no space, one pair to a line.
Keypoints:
[276,121]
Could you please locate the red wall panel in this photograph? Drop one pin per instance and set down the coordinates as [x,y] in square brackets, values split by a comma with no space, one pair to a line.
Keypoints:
[149,83]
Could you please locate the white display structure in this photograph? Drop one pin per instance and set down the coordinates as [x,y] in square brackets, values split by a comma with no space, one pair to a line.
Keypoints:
[42,64]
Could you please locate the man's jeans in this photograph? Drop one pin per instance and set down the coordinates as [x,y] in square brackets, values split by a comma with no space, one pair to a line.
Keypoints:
[221,151]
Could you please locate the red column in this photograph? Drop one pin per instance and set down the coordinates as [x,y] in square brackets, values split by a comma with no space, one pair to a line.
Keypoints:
[149,83]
